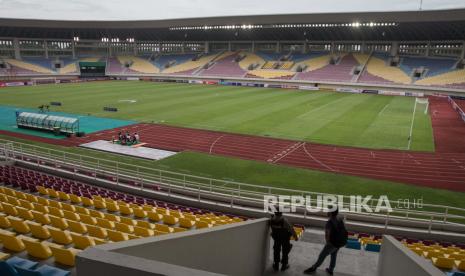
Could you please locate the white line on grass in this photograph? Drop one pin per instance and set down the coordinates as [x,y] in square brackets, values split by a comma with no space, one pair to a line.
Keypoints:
[411,125]
[382,110]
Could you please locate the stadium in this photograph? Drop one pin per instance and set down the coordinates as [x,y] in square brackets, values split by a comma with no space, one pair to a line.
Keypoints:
[150,147]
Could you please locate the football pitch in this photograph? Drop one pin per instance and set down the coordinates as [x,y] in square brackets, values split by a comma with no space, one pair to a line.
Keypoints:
[361,120]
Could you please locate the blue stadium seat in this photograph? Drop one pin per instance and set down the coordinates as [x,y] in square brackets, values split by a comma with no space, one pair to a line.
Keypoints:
[373,247]
[8,267]
[456,273]
[353,245]
[44,270]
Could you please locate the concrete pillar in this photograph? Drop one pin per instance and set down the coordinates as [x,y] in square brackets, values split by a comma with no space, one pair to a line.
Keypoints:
[73,49]
[363,49]
[134,45]
[333,48]
[207,47]
[46,48]
[183,50]
[110,49]
[16,47]
[394,48]
[462,56]
[305,47]
[428,49]
[253,47]
[229,46]
[278,47]
[160,47]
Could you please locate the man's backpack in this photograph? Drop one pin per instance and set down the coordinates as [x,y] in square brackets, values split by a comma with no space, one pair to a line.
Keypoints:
[339,235]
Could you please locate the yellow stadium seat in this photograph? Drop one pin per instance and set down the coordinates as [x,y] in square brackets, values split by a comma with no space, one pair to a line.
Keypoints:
[12,200]
[139,212]
[147,207]
[87,201]
[52,193]
[42,190]
[202,224]
[18,225]
[82,242]
[112,206]
[163,228]
[179,229]
[236,219]
[38,231]
[96,214]
[54,211]
[99,204]
[58,222]
[77,227]
[133,237]
[145,224]
[105,223]
[65,256]
[59,236]
[9,209]
[56,204]
[41,217]
[31,198]
[4,256]
[63,196]
[26,204]
[9,192]
[13,243]
[88,219]
[20,195]
[176,214]
[158,233]
[43,201]
[71,216]
[69,207]
[40,208]
[112,217]
[143,232]
[3,198]
[97,197]
[38,249]
[122,227]
[125,210]
[190,217]
[4,221]
[154,216]
[444,263]
[117,236]
[186,223]
[75,199]
[97,231]
[99,241]
[82,210]
[460,265]
[432,254]
[128,221]
[170,220]
[24,213]
[162,211]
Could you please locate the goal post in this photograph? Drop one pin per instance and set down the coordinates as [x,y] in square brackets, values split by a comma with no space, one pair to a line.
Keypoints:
[423,101]
[44,80]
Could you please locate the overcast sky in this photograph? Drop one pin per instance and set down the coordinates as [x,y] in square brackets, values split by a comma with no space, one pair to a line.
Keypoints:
[163,9]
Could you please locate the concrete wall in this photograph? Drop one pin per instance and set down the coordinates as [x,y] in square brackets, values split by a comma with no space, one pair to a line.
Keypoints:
[396,259]
[236,249]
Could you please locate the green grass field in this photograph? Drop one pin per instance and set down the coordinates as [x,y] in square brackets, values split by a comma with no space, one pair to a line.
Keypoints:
[361,120]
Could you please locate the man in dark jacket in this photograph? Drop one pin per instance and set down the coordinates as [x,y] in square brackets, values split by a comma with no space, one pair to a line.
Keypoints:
[281,232]
[336,237]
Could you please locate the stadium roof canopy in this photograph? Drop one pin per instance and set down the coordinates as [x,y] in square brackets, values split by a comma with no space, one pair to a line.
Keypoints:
[368,26]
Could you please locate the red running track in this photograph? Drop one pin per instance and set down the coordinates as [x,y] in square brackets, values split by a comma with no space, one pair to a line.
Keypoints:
[444,169]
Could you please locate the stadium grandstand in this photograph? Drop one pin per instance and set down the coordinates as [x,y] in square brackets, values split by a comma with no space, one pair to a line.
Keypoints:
[179,131]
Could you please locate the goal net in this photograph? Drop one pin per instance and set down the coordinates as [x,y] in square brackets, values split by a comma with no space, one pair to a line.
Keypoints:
[45,80]
[424,102]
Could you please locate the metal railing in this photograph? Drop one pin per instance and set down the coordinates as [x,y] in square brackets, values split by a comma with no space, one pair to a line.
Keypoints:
[200,188]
